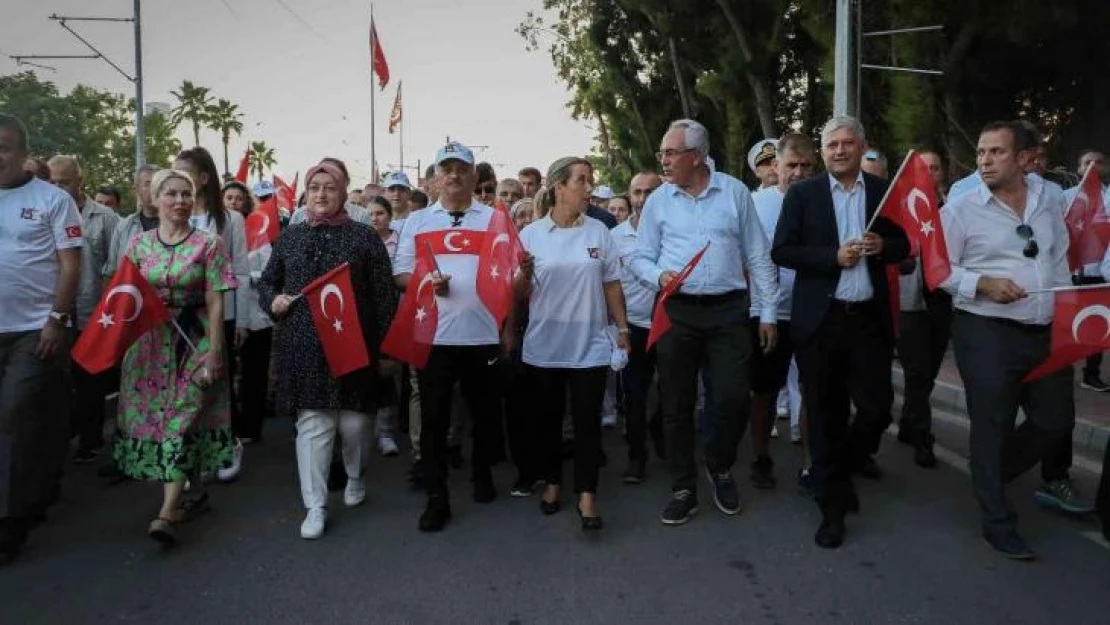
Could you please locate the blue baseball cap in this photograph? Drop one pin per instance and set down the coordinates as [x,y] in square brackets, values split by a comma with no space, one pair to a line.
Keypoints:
[397,179]
[263,188]
[454,151]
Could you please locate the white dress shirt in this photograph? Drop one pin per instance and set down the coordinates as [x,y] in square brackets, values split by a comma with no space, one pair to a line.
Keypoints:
[675,225]
[981,233]
[768,205]
[851,219]
[639,295]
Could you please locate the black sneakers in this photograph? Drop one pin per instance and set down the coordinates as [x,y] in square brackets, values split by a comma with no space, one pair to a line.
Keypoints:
[763,473]
[683,506]
[725,495]
[1010,544]
[436,514]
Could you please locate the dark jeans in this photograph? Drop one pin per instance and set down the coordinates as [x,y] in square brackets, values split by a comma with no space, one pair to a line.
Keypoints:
[921,346]
[847,361]
[474,368]
[519,388]
[34,428]
[636,382]
[254,355]
[993,357]
[586,389]
[711,333]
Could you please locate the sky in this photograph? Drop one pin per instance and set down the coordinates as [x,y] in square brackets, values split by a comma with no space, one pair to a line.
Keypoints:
[299,70]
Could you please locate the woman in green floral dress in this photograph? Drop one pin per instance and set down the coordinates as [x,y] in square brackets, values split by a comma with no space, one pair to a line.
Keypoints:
[174,416]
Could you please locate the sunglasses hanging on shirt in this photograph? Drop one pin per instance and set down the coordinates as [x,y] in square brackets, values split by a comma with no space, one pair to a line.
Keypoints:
[456,218]
[1025,231]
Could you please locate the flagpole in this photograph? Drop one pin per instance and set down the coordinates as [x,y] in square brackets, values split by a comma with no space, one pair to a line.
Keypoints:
[373,159]
[889,189]
[401,128]
[1061,289]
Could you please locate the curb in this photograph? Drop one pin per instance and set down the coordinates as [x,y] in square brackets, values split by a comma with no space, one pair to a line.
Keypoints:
[1088,438]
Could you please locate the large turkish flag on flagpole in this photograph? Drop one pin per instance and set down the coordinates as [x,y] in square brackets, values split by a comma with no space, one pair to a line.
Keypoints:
[911,203]
[1088,224]
[498,264]
[1080,328]
[332,302]
[660,322]
[413,331]
[129,309]
[263,225]
[377,54]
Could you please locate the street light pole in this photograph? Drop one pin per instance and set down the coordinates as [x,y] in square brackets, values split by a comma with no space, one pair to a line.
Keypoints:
[140,131]
[843,72]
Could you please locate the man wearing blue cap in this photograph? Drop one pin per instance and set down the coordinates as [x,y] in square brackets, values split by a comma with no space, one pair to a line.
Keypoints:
[467,340]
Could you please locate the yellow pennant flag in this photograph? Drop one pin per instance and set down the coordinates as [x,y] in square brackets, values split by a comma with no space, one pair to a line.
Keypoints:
[395,114]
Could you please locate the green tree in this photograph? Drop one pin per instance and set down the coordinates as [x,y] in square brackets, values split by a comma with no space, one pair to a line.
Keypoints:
[260,157]
[161,144]
[224,117]
[193,103]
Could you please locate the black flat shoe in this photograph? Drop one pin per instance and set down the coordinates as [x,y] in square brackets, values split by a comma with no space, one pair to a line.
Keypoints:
[590,523]
[436,514]
[550,507]
[830,534]
[870,469]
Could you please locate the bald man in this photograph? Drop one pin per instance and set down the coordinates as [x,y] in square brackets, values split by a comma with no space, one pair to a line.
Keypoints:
[509,191]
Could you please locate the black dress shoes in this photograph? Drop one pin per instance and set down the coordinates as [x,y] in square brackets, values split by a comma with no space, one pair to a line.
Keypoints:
[923,455]
[590,523]
[830,534]
[436,514]
[869,469]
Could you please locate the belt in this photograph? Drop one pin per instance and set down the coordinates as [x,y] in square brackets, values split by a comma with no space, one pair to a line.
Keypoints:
[852,308]
[708,299]
[1031,328]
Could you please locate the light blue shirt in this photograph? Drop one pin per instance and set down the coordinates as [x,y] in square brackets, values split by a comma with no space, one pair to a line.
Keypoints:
[850,208]
[675,225]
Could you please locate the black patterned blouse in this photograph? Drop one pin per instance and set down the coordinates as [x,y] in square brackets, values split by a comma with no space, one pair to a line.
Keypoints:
[301,254]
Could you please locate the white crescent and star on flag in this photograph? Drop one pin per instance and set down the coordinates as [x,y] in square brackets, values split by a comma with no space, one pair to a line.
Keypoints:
[498,240]
[1091,311]
[420,312]
[332,289]
[449,242]
[107,319]
[915,195]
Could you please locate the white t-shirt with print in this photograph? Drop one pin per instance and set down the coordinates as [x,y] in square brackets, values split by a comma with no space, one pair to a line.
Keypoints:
[768,206]
[36,220]
[639,296]
[463,318]
[568,317]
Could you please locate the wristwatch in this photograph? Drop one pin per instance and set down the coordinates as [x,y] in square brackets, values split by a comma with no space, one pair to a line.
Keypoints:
[62,318]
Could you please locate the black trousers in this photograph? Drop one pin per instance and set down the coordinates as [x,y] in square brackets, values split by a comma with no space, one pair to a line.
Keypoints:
[709,332]
[88,404]
[587,390]
[993,356]
[922,342]
[254,356]
[518,388]
[475,369]
[230,365]
[636,383]
[1102,498]
[847,361]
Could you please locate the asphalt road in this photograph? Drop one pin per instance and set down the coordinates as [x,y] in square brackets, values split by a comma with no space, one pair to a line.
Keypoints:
[913,556]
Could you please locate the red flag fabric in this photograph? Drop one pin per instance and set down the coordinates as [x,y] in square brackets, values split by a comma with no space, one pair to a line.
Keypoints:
[413,331]
[1074,337]
[129,309]
[660,322]
[263,225]
[912,204]
[378,64]
[1088,225]
[286,195]
[338,325]
[498,264]
[244,167]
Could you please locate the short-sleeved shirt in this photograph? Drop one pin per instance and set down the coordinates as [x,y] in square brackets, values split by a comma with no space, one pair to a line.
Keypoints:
[567,315]
[463,318]
[37,220]
[639,296]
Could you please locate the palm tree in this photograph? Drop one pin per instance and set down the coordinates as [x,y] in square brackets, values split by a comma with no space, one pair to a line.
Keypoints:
[225,118]
[193,102]
[261,158]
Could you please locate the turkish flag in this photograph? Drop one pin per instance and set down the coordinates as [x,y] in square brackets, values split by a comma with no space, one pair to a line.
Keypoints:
[378,65]
[129,309]
[912,204]
[286,195]
[660,322]
[1074,335]
[413,331]
[498,264]
[263,225]
[1088,225]
[244,167]
[337,324]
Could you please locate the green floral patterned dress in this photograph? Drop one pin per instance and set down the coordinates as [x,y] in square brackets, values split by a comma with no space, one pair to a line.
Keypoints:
[170,428]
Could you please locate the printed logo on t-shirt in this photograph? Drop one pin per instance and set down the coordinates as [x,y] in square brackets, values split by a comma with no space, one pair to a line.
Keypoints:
[594,252]
[73,232]
[27,213]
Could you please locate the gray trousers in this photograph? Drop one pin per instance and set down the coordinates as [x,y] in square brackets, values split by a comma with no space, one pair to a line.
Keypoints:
[34,424]
[993,356]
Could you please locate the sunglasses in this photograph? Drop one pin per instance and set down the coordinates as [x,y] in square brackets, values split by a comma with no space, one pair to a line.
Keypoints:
[1025,231]
[486,188]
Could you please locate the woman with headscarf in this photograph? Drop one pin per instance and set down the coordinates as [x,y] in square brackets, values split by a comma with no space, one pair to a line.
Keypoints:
[305,387]
[570,281]
[174,419]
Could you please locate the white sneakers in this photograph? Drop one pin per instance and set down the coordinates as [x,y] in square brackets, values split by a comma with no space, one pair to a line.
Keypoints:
[313,525]
[355,493]
[387,446]
[229,473]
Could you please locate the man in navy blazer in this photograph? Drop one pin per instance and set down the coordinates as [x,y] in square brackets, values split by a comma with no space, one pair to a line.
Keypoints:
[841,320]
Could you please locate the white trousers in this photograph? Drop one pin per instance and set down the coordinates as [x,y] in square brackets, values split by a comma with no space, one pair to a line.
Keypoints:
[315,438]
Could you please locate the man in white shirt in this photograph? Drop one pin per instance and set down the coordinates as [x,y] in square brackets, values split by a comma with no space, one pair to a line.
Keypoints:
[1007,245]
[40,264]
[467,341]
[98,224]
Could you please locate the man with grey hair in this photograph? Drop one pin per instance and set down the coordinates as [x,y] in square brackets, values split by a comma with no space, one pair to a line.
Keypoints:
[840,320]
[709,312]
[144,218]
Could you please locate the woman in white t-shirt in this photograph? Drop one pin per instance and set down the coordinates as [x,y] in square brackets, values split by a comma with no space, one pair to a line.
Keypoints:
[570,282]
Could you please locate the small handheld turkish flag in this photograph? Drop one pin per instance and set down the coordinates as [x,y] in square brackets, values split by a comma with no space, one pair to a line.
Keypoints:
[413,331]
[331,299]
[286,195]
[129,309]
[1087,222]
[912,204]
[1080,328]
[660,322]
[263,225]
[498,264]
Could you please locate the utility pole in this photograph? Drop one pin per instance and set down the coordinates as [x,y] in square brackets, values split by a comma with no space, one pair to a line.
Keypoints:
[137,79]
[843,74]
